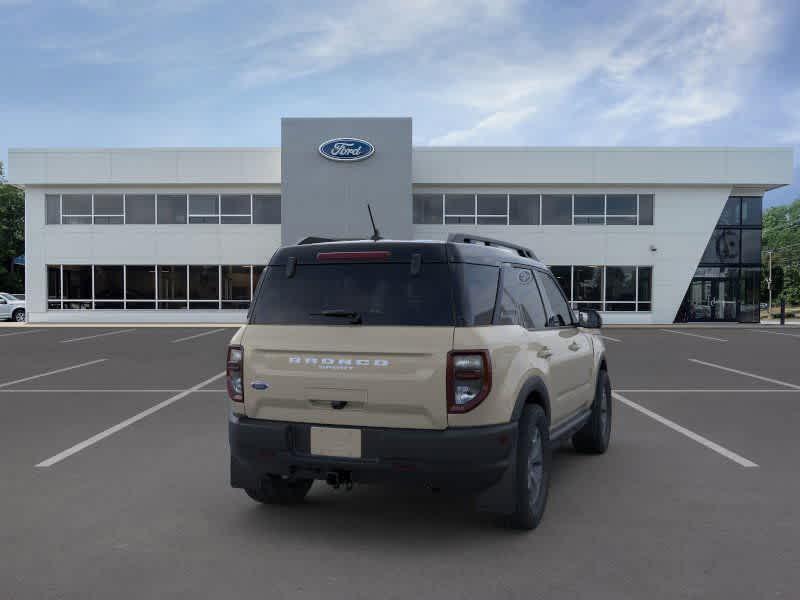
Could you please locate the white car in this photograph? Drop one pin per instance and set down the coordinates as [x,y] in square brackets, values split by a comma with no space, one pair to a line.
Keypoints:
[12,308]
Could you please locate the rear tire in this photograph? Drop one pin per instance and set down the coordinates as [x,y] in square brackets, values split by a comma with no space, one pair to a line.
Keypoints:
[276,490]
[532,468]
[18,315]
[594,436]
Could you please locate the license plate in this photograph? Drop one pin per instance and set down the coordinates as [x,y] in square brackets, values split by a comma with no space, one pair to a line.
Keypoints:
[334,441]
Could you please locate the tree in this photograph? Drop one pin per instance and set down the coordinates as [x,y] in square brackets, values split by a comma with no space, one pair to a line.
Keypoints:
[781,234]
[12,235]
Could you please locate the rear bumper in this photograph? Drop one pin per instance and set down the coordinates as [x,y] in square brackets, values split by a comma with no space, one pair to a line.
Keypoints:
[464,458]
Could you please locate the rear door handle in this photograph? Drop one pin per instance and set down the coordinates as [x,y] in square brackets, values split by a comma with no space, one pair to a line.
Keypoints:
[574,346]
[544,352]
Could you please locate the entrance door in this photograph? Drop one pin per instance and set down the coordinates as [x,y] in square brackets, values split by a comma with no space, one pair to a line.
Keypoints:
[711,300]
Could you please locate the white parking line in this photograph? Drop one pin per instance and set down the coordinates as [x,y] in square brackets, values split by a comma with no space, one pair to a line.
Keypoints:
[605,337]
[795,335]
[49,462]
[191,337]
[738,459]
[705,391]
[22,332]
[697,335]
[129,391]
[91,337]
[54,372]
[746,374]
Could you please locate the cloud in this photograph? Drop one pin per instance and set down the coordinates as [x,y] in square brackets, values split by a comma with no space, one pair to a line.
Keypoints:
[302,45]
[682,65]
[496,122]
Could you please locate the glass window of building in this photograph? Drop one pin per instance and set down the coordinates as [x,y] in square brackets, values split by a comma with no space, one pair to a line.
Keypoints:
[751,211]
[492,209]
[172,286]
[203,286]
[54,287]
[749,294]
[731,214]
[428,209]
[266,209]
[140,209]
[459,209]
[563,275]
[587,287]
[556,209]
[76,209]
[53,209]
[723,247]
[236,292]
[646,209]
[751,246]
[140,286]
[620,288]
[523,209]
[621,209]
[109,209]
[171,209]
[204,208]
[589,209]
[77,286]
[645,288]
[108,286]
[235,209]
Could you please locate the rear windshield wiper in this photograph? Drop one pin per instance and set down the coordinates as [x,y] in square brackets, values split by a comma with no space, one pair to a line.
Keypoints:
[355,318]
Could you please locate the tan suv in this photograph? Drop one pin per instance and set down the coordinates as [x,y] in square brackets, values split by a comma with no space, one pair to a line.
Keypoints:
[454,364]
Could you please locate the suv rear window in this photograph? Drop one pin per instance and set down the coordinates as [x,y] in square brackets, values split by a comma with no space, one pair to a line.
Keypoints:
[380,294]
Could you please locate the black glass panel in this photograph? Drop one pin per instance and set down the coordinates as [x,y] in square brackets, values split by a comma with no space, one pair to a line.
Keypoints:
[459,204]
[140,283]
[730,214]
[77,282]
[523,209]
[428,209]
[749,295]
[751,245]
[492,204]
[108,282]
[564,277]
[557,209]
[588,284]
[172,282]
[267,209]
[751,211]
[723,247]
[620,284]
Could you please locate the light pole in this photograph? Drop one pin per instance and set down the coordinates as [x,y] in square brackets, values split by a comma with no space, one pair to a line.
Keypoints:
[769,285]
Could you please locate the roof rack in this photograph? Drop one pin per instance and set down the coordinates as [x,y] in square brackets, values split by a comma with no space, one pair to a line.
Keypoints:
[465,238]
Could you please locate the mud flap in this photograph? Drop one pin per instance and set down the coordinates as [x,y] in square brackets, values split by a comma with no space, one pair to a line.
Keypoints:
[500,498]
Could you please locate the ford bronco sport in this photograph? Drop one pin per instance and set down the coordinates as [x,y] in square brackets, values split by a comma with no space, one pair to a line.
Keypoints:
[455,364]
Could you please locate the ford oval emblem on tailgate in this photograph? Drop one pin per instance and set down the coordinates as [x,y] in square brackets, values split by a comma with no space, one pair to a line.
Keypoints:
[259,385]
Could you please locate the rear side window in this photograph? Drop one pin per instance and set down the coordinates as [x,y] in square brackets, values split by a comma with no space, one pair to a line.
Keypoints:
[380,294]
[561,315]
[520,302]
[477,293]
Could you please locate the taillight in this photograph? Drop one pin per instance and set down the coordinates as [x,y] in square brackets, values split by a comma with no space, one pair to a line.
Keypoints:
[469,379]
[234,372]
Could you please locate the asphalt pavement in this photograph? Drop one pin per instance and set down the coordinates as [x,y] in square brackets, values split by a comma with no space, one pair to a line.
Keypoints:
[114,484]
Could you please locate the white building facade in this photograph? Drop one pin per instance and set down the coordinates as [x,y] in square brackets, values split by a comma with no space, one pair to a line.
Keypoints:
[645,235]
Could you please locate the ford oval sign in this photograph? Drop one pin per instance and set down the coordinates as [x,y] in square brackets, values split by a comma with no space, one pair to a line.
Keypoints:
[351,149]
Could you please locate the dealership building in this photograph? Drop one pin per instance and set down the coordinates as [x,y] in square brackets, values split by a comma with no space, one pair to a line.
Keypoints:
[645,235]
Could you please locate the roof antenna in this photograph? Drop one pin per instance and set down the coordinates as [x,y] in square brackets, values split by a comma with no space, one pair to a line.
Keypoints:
[377,234]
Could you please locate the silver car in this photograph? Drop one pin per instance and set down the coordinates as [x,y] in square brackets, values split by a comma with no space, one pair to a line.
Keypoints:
[12,308]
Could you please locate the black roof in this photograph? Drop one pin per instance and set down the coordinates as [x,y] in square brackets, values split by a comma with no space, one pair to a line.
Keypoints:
[432,251]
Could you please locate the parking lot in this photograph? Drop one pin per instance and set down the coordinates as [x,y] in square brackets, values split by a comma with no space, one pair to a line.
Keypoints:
[114,483]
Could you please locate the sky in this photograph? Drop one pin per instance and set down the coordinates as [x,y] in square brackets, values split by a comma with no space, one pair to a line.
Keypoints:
[107,73]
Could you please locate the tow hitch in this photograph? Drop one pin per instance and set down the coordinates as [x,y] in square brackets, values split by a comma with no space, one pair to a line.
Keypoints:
[336,479]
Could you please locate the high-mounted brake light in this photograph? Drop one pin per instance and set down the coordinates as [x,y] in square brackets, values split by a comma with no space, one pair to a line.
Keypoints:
[366,255]
[469,379]
[234,373]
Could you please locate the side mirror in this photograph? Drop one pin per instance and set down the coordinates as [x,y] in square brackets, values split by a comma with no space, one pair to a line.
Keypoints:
[590,319]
